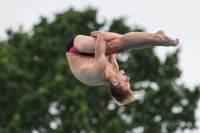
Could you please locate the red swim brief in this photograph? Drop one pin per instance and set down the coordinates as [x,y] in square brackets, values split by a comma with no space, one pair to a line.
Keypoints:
[74,50]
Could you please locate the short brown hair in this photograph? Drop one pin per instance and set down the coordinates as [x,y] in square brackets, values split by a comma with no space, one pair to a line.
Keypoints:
[121,96]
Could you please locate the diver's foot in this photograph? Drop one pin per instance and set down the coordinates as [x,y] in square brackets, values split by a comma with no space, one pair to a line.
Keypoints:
[164,40]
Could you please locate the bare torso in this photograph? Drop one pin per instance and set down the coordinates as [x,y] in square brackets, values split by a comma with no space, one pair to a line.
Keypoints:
[83,69]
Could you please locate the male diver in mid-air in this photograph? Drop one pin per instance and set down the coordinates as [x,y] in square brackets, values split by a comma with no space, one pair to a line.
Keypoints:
[92,59]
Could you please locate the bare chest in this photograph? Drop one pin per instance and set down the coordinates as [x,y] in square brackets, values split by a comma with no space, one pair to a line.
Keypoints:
[83,69]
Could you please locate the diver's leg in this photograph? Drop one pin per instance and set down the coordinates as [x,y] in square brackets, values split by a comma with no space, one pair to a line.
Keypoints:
[135,40]
[86,44]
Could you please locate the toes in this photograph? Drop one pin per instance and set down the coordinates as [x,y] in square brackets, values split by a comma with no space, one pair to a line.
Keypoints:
[176,41]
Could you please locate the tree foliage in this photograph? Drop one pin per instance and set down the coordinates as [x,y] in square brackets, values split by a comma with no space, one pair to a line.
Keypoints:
[39,93]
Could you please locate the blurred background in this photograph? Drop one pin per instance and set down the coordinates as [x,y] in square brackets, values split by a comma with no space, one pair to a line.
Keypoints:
[39,94]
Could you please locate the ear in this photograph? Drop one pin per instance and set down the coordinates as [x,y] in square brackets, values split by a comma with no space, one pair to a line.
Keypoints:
[115,83]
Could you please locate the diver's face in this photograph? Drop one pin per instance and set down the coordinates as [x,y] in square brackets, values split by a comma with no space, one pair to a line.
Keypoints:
[123,80]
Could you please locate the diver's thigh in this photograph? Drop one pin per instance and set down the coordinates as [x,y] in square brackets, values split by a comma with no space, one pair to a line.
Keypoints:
[113,46]
[85,44]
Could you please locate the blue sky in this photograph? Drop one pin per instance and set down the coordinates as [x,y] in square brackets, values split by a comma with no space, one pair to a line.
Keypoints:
[178,18]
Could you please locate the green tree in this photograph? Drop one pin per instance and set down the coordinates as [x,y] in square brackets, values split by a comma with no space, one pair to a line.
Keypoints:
[38,91]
